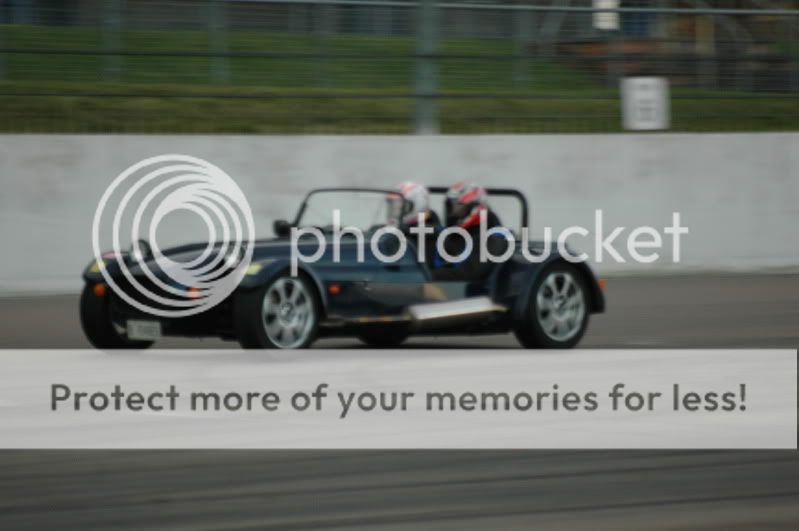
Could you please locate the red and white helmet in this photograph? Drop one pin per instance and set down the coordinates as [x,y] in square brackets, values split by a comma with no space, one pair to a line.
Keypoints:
[410,200]
[463,204]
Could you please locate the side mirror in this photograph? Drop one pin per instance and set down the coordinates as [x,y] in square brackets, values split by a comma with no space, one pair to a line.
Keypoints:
[282,228]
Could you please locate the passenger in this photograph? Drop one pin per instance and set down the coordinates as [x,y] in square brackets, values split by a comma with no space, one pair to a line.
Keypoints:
[403,209]
[463,205]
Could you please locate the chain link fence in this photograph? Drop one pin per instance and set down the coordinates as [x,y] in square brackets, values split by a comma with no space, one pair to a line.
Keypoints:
[372,66]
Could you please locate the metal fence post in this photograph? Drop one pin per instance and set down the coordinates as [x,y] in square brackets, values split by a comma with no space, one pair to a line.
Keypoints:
[324,24]
[705,49]
[615,67]
[793,52]
[2,43]
[426,111]
[383,21]
[218,41]
[112,40]
[522,30]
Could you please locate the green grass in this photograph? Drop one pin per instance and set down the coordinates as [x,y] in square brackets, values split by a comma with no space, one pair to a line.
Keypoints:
[555,98]
[380,115]
[390,73]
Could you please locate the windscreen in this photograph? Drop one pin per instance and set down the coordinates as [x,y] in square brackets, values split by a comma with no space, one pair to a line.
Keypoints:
[363,209]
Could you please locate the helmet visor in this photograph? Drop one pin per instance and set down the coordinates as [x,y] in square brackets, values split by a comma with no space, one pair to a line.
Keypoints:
[458,211]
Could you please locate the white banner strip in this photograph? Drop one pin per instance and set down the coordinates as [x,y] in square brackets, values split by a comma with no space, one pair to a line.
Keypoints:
[408,399]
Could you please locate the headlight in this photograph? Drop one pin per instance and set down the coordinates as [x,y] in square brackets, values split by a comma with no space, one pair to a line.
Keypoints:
[97,266]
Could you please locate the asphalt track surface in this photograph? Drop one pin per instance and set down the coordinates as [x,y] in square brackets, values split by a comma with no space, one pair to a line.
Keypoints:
[441,489]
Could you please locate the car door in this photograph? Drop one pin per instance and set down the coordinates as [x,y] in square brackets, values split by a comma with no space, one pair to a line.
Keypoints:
[392,286]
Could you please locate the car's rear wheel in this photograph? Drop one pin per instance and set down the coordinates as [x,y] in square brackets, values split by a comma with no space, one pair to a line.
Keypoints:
[95,319]
[283,314]
[556,315]
[384,337]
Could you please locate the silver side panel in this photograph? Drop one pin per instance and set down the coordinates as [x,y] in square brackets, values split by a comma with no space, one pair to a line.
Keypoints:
[465,308]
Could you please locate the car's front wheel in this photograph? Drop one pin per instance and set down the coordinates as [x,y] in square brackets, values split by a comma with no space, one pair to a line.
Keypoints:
[282,314]
[556,315]
[95,319]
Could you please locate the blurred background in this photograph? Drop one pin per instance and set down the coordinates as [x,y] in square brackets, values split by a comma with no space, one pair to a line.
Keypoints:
[289,95]
[391,66]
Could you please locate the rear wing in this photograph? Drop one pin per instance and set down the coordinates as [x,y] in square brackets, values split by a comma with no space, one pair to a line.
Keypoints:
[506,192]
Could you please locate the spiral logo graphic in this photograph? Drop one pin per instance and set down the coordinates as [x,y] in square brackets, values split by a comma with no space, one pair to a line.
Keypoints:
[189,279]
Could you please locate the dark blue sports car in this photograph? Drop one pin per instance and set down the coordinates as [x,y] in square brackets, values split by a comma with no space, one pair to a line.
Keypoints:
[352,291]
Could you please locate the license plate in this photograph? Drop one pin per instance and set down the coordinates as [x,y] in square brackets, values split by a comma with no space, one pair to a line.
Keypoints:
[144,330]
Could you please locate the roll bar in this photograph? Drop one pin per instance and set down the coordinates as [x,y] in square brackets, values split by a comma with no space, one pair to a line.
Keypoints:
[508,192]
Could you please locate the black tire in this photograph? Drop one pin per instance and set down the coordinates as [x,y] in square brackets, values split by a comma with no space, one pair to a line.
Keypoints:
[95,319]
[384,337]
[528,326]
[251,324]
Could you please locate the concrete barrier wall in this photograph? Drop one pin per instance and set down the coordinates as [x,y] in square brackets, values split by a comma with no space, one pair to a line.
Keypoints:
[737,193]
